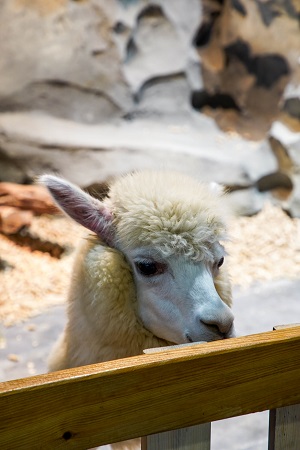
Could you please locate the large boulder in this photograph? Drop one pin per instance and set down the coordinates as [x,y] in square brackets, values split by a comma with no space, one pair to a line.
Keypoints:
[250,53]
[93,61]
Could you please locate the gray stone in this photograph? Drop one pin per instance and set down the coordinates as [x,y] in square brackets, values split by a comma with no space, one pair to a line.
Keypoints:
[160,42]
[89,153]
[61,41]
[150,57]
[65,100]
[93,56]
[164,96]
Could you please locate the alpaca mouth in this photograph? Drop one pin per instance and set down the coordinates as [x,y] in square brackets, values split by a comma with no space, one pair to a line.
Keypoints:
[189,338]
[217,336]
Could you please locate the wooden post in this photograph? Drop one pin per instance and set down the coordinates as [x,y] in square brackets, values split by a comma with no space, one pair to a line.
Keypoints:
[284,423]
[190,438]
[284,428]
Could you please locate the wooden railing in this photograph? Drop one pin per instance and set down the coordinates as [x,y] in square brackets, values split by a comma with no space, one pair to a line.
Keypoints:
[157,392]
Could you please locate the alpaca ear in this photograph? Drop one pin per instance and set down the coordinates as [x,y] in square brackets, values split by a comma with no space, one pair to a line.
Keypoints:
[82,207]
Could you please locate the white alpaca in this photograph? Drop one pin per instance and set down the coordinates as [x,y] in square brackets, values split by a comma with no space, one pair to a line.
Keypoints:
[150,275]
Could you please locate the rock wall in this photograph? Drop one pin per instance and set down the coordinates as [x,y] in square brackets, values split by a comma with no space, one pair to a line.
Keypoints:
[250,53]
[92,89]
[93,61]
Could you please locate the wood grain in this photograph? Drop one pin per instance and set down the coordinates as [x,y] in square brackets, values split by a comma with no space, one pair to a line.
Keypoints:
[284,429]
[118,400]
[284,423]
[190,438]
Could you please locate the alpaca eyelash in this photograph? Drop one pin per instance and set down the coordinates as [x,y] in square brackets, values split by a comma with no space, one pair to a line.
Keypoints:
[220,262]
[149,268]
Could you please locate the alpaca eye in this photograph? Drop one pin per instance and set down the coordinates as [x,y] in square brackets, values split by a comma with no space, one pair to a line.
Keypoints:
[220,262]
[148,268]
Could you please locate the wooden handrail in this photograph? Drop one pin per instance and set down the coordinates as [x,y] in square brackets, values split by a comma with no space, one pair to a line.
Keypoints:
[117,400]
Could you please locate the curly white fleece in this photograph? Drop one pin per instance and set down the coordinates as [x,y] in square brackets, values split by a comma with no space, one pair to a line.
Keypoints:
[169,211]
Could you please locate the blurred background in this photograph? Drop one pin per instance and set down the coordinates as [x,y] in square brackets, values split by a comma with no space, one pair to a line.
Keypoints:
[91,89]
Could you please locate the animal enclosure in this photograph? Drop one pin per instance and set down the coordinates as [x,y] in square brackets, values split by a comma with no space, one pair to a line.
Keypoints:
[157,392]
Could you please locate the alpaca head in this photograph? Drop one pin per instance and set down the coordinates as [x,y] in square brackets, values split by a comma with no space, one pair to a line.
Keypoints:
[168,227]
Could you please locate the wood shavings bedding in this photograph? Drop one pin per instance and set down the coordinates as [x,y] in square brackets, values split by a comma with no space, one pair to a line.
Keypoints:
[264,247]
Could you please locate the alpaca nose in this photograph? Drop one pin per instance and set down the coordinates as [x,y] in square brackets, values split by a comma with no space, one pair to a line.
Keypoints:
[221,324]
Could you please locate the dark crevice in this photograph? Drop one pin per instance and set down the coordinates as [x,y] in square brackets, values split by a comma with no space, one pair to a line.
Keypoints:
[119,27]
[229,188]
[267,11]
[288,213]
[290,9]
[203,34]
[68,84]
[131,50]
[150,11]
[239,7]
[268,69]
[202,98]
[274,180]
[131,115]
[96,53]
[39,90]
[56,82]
[275,8]
[292,107]
[284,161]
[157,80]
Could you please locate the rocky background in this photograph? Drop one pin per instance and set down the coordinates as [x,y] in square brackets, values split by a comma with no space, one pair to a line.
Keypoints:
[91,89]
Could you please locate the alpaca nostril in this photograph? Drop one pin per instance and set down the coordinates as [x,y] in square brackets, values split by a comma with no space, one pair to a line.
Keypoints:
[189,337]
[212,327]
[222,324]
[219,329]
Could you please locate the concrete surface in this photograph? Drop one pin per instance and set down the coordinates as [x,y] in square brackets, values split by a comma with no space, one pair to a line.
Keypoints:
[24,349]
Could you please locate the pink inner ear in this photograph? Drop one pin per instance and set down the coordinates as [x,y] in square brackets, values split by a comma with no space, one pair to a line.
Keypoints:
[84,209]
[98,219]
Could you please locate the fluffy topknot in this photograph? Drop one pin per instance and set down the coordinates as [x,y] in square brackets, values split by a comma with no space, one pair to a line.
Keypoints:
[168,210]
